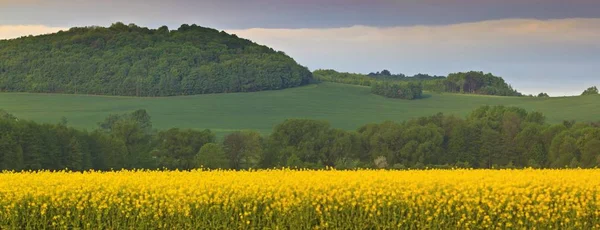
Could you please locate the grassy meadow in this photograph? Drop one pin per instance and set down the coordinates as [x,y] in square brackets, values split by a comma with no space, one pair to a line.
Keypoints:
[345,106]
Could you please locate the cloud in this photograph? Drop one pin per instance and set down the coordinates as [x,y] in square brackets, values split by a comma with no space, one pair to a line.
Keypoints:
[15,31]
[560,55]
[499,32]
[242,14]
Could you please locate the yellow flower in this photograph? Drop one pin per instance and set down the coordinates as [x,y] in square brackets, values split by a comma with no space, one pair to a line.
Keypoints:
[282,199]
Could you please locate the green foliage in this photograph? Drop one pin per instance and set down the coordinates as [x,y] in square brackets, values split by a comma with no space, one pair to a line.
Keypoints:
[478,83]
[542,94]
[11,154]
[590,91]
[178,149]
[384,84]
[294,161]
[489,137]
[243,149]
[212,156]
[468,82]
[6,116]
[136,61]
[407,90]
[312,142]
[135,132]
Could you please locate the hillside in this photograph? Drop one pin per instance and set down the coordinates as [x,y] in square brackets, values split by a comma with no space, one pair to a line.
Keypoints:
[129,60]
[345,106]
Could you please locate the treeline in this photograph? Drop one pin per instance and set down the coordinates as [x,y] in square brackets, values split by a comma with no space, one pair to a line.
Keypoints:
[386,74]
[478,83]
[130,60]
[489,137]
[468,82]
[402,90]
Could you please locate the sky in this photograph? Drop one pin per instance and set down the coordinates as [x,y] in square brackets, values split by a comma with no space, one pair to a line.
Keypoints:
[536,45]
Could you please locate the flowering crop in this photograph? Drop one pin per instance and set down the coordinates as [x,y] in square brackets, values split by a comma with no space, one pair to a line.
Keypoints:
[286,199]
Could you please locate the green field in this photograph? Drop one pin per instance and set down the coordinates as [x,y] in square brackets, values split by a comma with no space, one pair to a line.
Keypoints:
[345,106]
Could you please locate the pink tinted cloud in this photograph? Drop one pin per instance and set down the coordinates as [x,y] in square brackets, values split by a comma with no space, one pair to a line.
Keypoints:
[15,31]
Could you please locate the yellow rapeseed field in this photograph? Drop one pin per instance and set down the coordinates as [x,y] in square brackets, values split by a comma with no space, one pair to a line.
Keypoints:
[286,199]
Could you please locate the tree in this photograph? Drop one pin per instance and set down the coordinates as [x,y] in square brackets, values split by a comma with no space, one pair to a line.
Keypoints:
[386,85]
[535,117]
[463,143]
[74,156]
[306,139]
[136,141]
[163,30]
[478,83]
[30,143]
[590,91]
[178,149]
[341,146]
[7,116]
[11,154]
[510,128]
[589,154]
[135,131]
[407,90]
[563,151]
[212,156]
[294,162]
[380,162]
[107,151]
[243,149]
[491,148]
[542,94]
[530,145]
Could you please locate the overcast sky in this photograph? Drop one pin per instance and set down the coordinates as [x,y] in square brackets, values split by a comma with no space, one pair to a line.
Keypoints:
[536,45]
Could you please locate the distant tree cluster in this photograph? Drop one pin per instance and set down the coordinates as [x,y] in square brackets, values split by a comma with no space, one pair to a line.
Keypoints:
[345,78]
[470,82]
[402,90]
[386,74]
[135,61]
[489,137]
[478,83]
[590,91]
[542,94]
[381,84]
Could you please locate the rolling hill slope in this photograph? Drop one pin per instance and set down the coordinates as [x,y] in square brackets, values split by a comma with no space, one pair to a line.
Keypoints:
[345,106]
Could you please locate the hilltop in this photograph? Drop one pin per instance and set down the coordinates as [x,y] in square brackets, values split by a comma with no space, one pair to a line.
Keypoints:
[129,60]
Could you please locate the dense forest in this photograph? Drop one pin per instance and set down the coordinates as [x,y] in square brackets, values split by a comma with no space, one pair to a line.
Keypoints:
[134,61]
[463,82]
[489,137]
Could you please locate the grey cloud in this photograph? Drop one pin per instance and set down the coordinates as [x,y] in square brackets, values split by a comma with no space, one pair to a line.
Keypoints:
[230,14]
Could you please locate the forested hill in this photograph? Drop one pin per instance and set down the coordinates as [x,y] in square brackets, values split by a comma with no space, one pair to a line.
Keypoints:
[134,61]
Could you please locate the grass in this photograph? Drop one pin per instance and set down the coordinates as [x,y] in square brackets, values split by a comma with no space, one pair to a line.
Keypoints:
[344,106]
